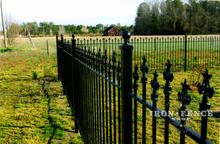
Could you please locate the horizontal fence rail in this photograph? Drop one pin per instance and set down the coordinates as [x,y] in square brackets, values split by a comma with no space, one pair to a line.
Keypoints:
[106,86]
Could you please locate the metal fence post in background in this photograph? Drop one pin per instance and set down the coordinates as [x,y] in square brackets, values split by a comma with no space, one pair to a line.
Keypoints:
[47,47]
[126,85]
[185,62]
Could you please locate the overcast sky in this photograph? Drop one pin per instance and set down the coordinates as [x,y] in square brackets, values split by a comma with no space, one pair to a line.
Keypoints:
[86,12]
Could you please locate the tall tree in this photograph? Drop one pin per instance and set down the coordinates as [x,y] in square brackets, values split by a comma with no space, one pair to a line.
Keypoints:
[100,28]
[176,17]
[13,31]
[32,27]
[155,19]
[143,19]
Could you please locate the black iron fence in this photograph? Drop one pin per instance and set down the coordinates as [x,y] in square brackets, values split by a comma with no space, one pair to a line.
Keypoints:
[108,105]
[183,51]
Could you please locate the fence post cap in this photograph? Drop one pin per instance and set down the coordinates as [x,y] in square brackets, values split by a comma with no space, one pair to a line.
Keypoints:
[73,36]
[126,36]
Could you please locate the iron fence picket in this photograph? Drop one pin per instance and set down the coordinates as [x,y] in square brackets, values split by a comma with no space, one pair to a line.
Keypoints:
[110,99]
[114,94]
[119,101]
[135,87]
[154,97]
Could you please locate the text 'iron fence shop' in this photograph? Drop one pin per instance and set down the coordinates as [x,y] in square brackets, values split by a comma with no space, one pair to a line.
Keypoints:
[104,95]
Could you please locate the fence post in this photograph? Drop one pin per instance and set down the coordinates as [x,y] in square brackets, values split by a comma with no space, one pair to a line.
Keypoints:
[126,87]
[58,58]
[185,52]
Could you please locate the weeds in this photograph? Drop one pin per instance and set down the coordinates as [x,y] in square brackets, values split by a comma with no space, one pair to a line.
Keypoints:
[196,77]
[34,75]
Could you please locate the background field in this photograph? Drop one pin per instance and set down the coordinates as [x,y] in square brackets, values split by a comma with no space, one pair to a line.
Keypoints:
[201,50]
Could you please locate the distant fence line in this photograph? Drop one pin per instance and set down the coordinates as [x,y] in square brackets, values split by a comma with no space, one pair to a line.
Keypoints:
[184,51]
[102,90]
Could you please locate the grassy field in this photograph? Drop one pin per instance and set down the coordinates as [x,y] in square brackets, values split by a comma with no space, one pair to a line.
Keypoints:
[33,108]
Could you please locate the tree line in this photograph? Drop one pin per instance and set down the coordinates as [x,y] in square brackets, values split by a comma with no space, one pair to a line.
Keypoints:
[49,28]
[166,17]
[177,17]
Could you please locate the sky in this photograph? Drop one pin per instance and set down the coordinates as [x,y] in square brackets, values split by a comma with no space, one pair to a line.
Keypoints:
[86,12]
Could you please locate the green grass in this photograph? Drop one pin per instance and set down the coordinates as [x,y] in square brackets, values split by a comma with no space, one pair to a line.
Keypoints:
[27,113]
[40,43]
